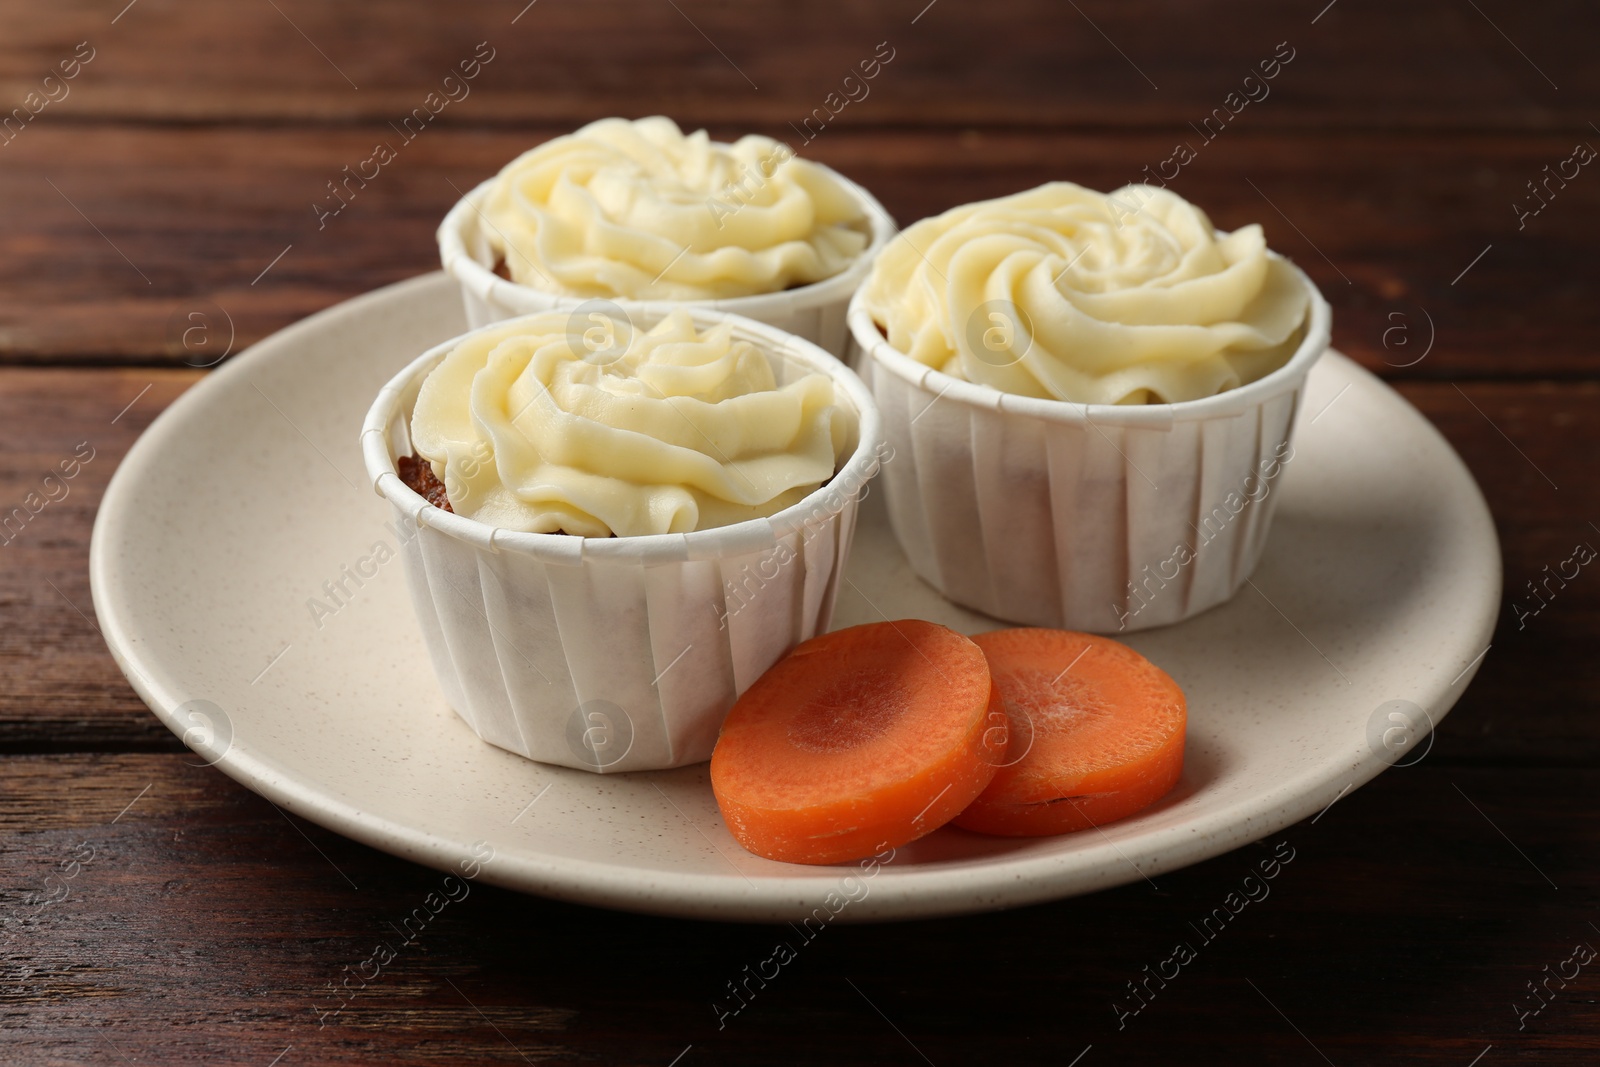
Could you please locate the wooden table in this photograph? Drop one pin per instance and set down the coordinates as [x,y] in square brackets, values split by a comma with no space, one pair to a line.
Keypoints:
[155,912]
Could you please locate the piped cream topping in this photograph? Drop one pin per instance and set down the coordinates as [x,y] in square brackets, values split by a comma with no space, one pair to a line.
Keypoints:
[574,423]
[1062,292]
[638,209]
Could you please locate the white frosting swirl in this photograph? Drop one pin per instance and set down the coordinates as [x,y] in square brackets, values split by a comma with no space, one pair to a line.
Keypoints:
[1062,292]
[639,210]
[635,432]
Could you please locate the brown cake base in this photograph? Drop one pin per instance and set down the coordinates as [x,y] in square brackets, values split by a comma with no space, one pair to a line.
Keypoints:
[417,473]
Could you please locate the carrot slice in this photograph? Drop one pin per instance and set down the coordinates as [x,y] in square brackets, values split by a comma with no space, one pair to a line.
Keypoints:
[857,741]
[1096,733]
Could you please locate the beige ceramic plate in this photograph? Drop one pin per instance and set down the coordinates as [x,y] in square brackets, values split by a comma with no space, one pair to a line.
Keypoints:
[245,504]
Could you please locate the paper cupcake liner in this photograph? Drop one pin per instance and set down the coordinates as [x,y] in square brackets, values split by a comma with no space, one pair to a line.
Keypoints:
[1089,517]
[624,653]
[815,312]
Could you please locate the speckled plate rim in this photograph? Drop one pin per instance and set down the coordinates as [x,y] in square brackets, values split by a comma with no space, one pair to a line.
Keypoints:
[1128,851]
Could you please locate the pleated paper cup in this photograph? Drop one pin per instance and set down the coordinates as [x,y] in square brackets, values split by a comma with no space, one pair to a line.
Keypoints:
[620,653]
[1095,517]
[815,312]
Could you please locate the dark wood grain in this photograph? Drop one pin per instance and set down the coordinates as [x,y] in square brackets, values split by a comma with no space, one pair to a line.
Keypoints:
[1531,448]
[120,232]
[209,925]
[59,688]
[1428,64]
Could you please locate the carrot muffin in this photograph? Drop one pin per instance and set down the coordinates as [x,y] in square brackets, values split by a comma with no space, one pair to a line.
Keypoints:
[638,211]
[632,519]
[1093,396]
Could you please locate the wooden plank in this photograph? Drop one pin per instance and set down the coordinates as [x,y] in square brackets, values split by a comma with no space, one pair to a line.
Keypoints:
[61,689]
[63,693]
[120,233]
[1425,66]
[1530,447]
[161,912]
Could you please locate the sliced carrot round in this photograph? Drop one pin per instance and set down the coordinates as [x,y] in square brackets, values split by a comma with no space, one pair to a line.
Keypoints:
[857,741]
[1096,733]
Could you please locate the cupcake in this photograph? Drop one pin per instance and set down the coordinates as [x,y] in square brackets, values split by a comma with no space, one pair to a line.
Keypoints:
[619,523]
[638,213]
[1090,397]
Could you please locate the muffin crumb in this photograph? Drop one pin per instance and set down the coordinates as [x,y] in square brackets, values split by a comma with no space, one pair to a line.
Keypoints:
[418,475]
